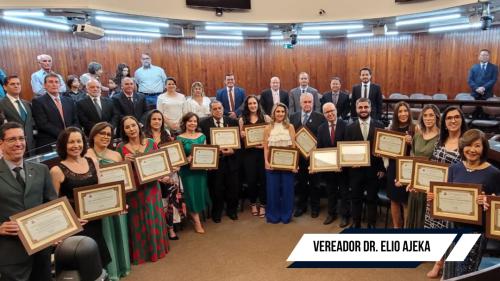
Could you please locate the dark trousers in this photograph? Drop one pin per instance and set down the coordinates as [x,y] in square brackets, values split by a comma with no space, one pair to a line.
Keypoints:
[307,187]
[224,188]
[337,188]
[253,164]
[35,268]
[361,180]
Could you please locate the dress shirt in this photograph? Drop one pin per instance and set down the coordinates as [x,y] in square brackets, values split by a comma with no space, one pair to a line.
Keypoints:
[335,97]
[367,121]
[367,89]
[11,166]
[37,81]
[483,66]
[221,122]
[14,100]
[276,96]
[150,80]
[303,90]
[303,116]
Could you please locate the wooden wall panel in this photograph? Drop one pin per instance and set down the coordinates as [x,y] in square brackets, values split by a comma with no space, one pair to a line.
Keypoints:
[424,63]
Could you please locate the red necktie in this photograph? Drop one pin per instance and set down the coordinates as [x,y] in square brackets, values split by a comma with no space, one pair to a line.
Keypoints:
[231,100]
[332,133]
[59,107]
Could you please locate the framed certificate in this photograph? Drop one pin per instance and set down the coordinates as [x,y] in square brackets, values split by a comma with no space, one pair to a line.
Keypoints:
[493,218]
[176,153]
[305,141]
[404,168]
[285,159]
[354,153]
[41,226]
[388,143]
[100,200]
[424,172]
[152,165]
[456,202]
[204,157]
[324,160]
[254,135]
[227,137]
[121,171]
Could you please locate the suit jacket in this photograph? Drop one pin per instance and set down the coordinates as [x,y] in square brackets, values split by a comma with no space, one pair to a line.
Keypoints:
[375,96]
[295,99]
[88,116]
[15,199]
[343,105]
[324,139]
[48,120]
[207,123]
[479,78]
[239,98]
[12,115]
[267,103]
[122,104]
[313,123]
[353,133]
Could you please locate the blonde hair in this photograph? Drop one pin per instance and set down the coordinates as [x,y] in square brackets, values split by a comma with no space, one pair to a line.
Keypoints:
[286,121]
[198,84]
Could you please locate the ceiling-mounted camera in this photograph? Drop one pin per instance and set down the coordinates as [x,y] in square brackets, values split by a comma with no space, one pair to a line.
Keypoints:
[486,17]
[293,34]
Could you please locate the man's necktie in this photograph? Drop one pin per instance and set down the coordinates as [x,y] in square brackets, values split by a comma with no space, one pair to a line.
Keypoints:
[19,178]
[22,112]
[335,98]
[59,107]
[483,67]
[97,107]
[332,133]
[304,120]
[231,100]
[364,131]
[303,91]
[365,91]
[218,124]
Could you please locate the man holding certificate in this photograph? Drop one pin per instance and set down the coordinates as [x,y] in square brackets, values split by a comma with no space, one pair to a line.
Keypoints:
[364,178]
[24,185]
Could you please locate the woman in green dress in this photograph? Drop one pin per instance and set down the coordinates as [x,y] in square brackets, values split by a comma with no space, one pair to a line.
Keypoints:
[194,181]
[114,228]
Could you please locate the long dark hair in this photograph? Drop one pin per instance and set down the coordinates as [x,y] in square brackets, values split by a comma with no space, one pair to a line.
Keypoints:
[125,138]
[148,131]
[186,118]
[395,124]
[62,142]
[245,114]
[443,131]
[119,74]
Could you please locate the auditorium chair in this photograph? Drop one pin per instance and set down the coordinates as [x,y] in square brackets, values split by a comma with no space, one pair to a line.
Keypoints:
[440,96]
[398,96]
[466,109]
[417,108]
[493,112]
[487,274]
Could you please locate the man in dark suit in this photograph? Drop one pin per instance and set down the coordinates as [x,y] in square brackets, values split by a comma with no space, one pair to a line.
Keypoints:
[223,183]
[129,102]
[339,98]
[18,110]
[95,108]
[329,133]
[369,90]
[231,97]
[307,185]
[272,96]
[24,185]
[303,87]
[364,178]
[482,77]
[52,113]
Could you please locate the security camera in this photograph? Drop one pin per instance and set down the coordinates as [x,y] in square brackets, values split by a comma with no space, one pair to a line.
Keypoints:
[321,12]
[293,34]
[219,12]
[486,17]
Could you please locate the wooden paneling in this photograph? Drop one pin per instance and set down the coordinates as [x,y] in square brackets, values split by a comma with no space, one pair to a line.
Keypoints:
[426,63]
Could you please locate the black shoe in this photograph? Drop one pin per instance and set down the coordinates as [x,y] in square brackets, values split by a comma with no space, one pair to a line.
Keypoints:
[329,219]
[344,221]
[370,226]
[233,216]
[298,213]
[314,214]
[176,237]
[355,225]
[216,219]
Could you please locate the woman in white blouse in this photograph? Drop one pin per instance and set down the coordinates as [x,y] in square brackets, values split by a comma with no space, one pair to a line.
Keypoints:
[170,104]
[197,103]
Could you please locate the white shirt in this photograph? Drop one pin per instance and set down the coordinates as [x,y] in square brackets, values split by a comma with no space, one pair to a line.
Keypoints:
[171,107]
[367,89]
[191,105]
[367,121]
[14,100]
[221,122]
[229,98]
[98,100]
[276,96]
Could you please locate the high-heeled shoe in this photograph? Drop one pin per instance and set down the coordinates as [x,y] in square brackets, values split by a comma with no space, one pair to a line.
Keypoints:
[254,210]
[262,212]
[170,237]
[198,228]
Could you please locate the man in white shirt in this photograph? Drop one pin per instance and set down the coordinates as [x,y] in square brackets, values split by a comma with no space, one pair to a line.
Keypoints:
[37,78]
[368,90]
[273,95]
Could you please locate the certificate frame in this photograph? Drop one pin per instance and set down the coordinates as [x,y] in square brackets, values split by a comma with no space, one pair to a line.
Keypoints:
[126,167]
[405,160]
[493,218]
[275,166]
[315,167]
[419,164]
[143,178]
[30,243]
[247,129]
[342,146]
[80,192]
[381,133]
[213,165]
[177,145]
[234,131]
[474,189]
[305,132]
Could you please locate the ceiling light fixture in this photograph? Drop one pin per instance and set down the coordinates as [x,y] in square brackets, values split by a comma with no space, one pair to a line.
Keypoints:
[367,34]
[131,21]
[332,27]
[390,33]
[223,37]
[23,14]
[310,37]
[132,33]
[57,26]
[454,27]
[428,19]
[243,28]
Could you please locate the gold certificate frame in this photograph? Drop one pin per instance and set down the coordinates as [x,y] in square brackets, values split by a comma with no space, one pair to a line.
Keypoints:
[121,171]
[388,143]
[456,202]
[254,135]
[404,168]
[324,160]
[227,137]
[40,227]
[100,200]
[285,159]
[152,165]
[424,172]
[204,157]
[354,153]
[493,218]
[176,153]
[305,141]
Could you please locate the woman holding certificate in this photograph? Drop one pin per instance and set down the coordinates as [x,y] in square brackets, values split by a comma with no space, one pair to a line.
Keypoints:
[402,123]
[146,220]
[74,170]
[170,104]
[253,157]
[280,184]
[194,181]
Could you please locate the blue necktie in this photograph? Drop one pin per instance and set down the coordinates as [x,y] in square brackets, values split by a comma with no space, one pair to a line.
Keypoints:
[304,120]
[22,112]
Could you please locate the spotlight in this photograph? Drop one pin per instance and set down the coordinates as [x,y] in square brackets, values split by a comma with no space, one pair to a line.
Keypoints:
[219,12]
[293,35]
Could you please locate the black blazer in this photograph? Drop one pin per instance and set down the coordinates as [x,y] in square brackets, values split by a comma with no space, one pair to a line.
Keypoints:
[138,109]
[48,120]
[343,106]
[12,115]
[87,113]
[353,133]
[266,100]
[207,123]
[324,134]
[375,96]
[313,123]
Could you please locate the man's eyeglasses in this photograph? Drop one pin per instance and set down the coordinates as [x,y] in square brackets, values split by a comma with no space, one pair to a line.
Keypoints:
[13,140]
